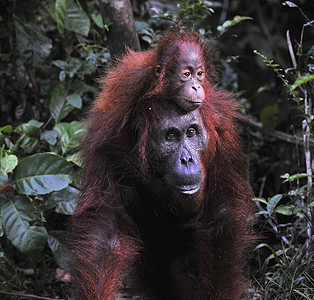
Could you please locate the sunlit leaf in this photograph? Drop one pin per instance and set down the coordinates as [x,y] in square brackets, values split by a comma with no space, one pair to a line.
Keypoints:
[301,80]
[290,178]
[8,163]
[7,129]
[70,134]
[289,3]
[286,210]
[41,174]
[259,199]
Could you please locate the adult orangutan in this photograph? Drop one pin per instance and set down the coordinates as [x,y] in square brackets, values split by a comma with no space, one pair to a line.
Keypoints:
[165,199]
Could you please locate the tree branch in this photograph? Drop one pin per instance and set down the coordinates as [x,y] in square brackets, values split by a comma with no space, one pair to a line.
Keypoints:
[286,137]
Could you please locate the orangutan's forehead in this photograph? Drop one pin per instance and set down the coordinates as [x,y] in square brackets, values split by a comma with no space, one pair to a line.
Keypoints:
[172,118]
[190,52]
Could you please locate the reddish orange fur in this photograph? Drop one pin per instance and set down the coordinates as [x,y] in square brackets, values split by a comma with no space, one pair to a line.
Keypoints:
[105,242]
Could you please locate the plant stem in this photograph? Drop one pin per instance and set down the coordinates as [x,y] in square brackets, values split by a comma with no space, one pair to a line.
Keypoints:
[306,136]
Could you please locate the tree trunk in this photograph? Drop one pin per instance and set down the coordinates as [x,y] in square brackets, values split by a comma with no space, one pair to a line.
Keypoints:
[122,32]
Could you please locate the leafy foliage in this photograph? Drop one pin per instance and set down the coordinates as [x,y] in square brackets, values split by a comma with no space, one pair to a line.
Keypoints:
[51,56]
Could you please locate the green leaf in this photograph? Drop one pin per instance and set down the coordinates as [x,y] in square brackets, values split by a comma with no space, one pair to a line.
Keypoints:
[73,65]
[259,199]
[63,201]
[60,255]
[60,10]
[70,134]
[7,129]
[269,116]
[32,45]
[81,87]
[8,163]
[29,144]
[75,100]
[301,80]
[60,128]
[30,138]
[17,213]
[59,107]
[63,65]
[290,178]
[29,129]
[239,19]
[77,20]
[272,202]
[42,173]
[98,20]
[75,158]
[50,136]
[286,210]
[230,23]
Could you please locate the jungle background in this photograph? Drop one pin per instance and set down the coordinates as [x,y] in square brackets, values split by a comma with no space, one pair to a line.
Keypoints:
[54,52]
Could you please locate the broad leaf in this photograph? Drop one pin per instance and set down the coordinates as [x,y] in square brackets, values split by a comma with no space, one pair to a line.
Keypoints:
[301,80]
[272,202]
[60,64]
[17,213]
[33,46]
[8,163]
[60,9]
[59,107]
[286,210]
[98,20]
[55,239]
[75,100]
[41,174]
[77,20]
[31,133]
[64,201]
[75,158]
[31,128]
[80,88]
[7,129]
[72,135]
[50,136]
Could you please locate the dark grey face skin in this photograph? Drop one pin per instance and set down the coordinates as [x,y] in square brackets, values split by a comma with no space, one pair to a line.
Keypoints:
[180,143]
